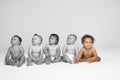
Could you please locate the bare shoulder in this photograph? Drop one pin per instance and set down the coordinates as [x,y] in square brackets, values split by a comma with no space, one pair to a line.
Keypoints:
[20,46]
[10,48]
[93,49]
[30,47]
[82,49]
[40,47]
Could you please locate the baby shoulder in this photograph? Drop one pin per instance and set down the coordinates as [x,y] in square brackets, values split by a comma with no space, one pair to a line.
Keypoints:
[10,48]
[82,49]
[30,48]
[20,46]
[40,48]
[93,49]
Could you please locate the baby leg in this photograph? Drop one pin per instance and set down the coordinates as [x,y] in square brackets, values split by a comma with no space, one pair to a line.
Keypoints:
[66,59]
[11,62]
[29,61]
[58,59]
[81,60]
[39,62]
[96,59]
[48,60]
[21,61]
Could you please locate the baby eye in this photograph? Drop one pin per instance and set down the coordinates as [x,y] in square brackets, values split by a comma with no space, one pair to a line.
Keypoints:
[51,38]
[90,42]
[69,38]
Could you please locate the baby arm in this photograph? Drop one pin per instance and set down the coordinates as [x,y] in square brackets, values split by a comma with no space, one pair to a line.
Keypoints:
[58,52]
[30,53]
[76,51]
[46,50]
[79,56]
[21,52]
[7,56]
[64,50]
[41,54]
[94,55]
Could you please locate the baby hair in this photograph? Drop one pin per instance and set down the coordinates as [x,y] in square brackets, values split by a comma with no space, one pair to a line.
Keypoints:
[88,36]
[56,36]
[74,36]
[38,36]
[20,39]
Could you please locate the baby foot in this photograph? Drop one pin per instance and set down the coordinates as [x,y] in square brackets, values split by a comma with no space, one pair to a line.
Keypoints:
[29,64]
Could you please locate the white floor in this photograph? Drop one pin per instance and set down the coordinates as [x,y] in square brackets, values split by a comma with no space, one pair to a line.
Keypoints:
[107,69]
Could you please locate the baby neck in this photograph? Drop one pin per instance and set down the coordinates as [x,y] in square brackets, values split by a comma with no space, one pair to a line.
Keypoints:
[70,43]
[15,45]
[36,44]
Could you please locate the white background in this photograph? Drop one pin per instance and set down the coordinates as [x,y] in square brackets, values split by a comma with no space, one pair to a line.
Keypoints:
[100,18]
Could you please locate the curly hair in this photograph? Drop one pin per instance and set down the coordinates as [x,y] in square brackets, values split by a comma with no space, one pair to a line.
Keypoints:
[87,36]
[56,36]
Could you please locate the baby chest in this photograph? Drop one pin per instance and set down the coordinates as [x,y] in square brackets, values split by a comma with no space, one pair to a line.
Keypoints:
[87,54]
[36,49]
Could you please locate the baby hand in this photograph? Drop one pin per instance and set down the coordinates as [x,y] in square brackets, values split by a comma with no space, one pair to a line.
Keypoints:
[76,62]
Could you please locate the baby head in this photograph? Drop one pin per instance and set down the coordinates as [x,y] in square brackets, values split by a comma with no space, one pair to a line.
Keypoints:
[53,39]
[37,39]
[71,39]
[87,41]
[16,40]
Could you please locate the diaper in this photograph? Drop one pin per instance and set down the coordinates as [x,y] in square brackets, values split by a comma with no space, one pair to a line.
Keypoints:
[71,57]
[52,58]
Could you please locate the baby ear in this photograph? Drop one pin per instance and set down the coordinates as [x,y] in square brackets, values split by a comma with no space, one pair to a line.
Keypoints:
[19,43]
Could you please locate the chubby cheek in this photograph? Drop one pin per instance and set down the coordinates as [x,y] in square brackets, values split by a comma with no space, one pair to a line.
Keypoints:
[12,41]
[84,45]
[87,45]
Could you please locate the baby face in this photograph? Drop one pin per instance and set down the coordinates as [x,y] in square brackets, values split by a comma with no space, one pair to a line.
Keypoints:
[36,40]
[15,41]
[87,43]
[52,40]
[70,39]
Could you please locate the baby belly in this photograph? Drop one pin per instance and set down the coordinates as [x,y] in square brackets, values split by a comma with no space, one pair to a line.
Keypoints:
[52,54]
[87,56]
[36,55]
[14,55]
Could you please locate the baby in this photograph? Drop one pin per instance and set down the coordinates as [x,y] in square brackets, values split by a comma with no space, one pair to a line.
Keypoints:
[70,49]
[35,52]
[15,55]
[87,52]
[52,50]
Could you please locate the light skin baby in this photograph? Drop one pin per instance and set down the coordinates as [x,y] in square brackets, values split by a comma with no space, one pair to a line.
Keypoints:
[70,49]
[15,55]
[35,52]
[52,50]
[87,53]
